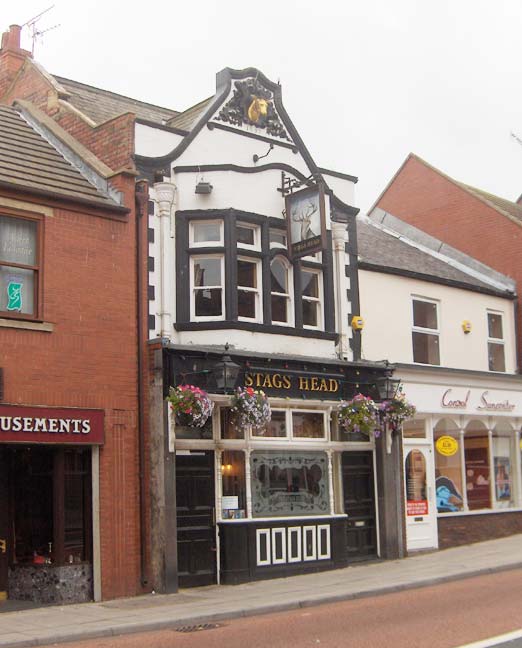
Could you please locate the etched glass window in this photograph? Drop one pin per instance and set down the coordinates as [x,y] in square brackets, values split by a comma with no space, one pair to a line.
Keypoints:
[289,483]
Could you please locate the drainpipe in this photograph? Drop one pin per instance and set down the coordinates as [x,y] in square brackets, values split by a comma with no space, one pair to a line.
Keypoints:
[142,199]
[165,197]
[339,255]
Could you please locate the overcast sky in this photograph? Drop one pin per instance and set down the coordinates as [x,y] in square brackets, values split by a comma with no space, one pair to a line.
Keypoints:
[364,81]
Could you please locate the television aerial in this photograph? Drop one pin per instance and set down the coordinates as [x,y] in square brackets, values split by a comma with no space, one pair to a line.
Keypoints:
[34,30]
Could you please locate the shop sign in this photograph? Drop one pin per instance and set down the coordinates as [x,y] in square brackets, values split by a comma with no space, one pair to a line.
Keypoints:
[305,211]
[416,507]
[460,401]
[289,383]
[447,446]
[19,424]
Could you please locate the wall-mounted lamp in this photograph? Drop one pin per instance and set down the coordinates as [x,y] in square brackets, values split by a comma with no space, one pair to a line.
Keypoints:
[203,187]
[226,372]
[388,389]
[357,323]
[466,326]
[226,469]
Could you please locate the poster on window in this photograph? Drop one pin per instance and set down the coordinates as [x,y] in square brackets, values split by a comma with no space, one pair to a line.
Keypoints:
[502,479]
[305,214]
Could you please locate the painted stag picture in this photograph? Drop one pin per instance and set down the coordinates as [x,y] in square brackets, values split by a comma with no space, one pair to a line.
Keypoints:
[305,214]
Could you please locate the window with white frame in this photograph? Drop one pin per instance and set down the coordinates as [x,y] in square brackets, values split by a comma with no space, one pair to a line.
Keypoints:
[277,238]
[425,333]
[311,298]
[207,291]
[248,289]
[295,424]
[206,233]
[496,356]
[280,291]
[248,236]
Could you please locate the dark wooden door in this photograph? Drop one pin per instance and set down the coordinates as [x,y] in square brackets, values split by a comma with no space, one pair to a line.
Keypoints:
[195,503]
[4,524]
[359,504]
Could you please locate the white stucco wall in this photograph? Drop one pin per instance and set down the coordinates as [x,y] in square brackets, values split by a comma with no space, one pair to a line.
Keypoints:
[154,142]
[386,306]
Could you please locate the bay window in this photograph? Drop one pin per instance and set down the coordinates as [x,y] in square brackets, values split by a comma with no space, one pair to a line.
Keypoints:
[19,266]
[248,290]
[207,287]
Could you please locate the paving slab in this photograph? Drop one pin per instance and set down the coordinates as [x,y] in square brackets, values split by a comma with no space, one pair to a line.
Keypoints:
[56,624]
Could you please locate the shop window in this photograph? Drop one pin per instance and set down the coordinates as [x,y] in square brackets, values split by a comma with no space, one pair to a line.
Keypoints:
[206,233]
[19,266]
[51,505]
[207,287]
[248,236]
[280,292]
[425,333]
[496,356]
[448,467]
[227,427]
[414,429]
[311,298]
[276,428]
[233,503]
[476,459]
[503,441]
[289,483]
[248,292]
[308,425]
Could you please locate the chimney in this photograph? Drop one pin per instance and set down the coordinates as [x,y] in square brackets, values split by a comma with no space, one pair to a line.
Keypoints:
[12,57]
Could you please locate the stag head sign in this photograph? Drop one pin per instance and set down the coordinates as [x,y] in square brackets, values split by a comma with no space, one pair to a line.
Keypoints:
[305,216]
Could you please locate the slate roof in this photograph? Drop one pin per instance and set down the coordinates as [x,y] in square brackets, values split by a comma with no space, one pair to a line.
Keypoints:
[187,119]
[29,162]
[386,251]
[101,105]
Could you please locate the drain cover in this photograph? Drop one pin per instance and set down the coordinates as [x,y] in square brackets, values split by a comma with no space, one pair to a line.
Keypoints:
[197,628]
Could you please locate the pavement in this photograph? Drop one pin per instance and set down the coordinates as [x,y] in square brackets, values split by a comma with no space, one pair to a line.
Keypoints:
[56,624]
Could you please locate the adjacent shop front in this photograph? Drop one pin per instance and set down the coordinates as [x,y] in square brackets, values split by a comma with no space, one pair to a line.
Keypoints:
[47,459]
[295,495]
[462,458]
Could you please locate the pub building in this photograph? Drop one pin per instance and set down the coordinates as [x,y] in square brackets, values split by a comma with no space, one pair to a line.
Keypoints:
[300,495]
[47,459]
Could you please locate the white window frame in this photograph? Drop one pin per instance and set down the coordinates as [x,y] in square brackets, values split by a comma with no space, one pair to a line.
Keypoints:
[289,427]
[276,244]
[257,236]
[193,288]
[498,341]
[197,244]
[316,300]
[257,291]
[426,331]
[288,294]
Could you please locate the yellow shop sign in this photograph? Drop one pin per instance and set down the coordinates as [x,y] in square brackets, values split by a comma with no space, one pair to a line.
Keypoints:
[447,446]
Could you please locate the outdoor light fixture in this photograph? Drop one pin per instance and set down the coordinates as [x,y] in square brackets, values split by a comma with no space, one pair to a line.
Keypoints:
[203,187]
[226,372]
[386,385]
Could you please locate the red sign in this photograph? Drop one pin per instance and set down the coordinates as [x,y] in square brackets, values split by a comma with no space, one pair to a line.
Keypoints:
[417,507]
[20,424]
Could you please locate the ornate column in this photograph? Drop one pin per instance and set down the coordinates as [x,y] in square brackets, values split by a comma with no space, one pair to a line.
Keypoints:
[165,194]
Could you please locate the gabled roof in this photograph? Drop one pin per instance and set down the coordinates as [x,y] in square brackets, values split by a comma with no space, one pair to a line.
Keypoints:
[185,120]
[101,105]
[507,208]
[383,249]
[29,162]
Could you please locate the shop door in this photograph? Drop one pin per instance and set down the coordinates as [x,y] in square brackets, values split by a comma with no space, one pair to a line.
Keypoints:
[195,502]
[4,525]
[421,512]
[359,504]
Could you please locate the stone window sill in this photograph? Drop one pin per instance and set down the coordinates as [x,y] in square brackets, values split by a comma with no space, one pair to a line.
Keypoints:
[46,327]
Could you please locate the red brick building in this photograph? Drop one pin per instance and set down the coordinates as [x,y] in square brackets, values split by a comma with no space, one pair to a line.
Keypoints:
[69,416]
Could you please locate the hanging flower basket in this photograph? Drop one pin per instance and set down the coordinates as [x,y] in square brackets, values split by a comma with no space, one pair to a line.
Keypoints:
[190,405]
[250,408]
[359,415]
[395,411]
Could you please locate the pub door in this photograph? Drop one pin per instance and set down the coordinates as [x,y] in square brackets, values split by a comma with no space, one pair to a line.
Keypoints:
[196,519]
[359,504]
[4,524]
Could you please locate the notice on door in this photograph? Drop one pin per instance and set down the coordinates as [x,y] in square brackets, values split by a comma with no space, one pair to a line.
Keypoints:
[416,507]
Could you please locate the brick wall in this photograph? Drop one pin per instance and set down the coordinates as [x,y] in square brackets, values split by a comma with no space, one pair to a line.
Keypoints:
[90,360]
[465,529]
[426,199]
